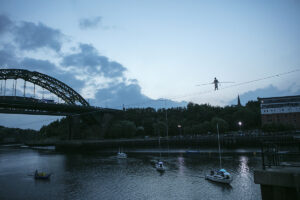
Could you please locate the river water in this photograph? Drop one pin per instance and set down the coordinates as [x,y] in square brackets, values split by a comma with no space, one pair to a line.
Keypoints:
[99,176]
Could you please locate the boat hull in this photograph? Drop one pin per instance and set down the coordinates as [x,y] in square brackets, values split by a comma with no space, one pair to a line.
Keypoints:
[218,179]
[122,155]
[160,167]
[47,176]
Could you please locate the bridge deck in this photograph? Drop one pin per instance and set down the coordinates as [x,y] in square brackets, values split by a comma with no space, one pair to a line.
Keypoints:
[26,105]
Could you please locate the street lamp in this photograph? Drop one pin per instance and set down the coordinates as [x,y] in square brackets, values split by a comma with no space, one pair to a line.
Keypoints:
[179,126]
[240,125]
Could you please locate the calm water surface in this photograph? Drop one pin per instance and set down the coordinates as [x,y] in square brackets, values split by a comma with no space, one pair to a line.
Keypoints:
[97,176]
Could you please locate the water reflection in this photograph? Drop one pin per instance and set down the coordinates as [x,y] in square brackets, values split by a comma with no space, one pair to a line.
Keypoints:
[224,187]
[180,162]
[95,176]
[244,169]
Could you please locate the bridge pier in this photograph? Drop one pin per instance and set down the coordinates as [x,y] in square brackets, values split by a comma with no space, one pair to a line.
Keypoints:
[74,127]
[106,118]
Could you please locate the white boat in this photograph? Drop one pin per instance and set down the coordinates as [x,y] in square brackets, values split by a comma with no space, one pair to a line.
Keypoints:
[160,166]
[121,154]
[220,176]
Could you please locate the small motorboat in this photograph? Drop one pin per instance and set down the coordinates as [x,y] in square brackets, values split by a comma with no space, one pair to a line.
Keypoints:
[41,175]
[221,176]
[160,166]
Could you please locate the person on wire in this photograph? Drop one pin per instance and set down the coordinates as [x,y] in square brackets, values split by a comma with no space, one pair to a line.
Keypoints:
[216,82]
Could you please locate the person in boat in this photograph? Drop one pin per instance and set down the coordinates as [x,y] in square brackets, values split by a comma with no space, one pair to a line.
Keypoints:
[216,82]
[227,175]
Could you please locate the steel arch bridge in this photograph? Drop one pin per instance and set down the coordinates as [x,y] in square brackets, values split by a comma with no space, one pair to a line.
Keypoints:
[49,83]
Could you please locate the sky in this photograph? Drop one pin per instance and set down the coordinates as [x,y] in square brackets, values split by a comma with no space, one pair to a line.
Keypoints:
[155,53]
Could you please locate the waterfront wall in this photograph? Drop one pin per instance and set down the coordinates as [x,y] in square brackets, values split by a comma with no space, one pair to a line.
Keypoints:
[177,142]
[279,183]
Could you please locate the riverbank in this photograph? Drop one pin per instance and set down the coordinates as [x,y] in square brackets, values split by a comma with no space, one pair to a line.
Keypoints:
[233,142]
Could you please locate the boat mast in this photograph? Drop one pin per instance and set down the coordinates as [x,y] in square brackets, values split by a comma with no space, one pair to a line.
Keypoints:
[167,127]
[159,146]
[219,146]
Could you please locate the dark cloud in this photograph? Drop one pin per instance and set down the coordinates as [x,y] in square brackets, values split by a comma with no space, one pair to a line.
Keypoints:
[88,23]
[5,23]
[50,69]
[89,58]
[8,58]
[30,36]
[270,91]
[69,79]
[42,66]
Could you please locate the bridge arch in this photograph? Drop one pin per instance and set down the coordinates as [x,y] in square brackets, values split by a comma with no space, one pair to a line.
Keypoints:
[49,83]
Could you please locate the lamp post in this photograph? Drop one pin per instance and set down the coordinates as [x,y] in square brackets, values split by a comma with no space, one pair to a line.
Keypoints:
[179,127]
[240,125]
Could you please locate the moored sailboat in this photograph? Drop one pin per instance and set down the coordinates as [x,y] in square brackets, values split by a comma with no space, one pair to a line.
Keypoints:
[159,165]
[221,176]
[121,154]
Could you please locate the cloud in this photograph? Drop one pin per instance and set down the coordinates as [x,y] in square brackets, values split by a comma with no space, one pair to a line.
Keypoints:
[120,94]
[42,66]
[130,96]
[85,70]
[89,58]
[5,23]
[8,58]
[270,91]
[30,36]
[50,69]
[88,23]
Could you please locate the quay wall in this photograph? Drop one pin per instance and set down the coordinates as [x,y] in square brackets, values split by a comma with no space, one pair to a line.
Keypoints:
[185,143]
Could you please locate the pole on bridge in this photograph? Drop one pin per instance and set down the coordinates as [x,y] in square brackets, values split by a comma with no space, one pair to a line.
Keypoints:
[13,89]
[34,90]
[24,87]
[4,87]
[1,89]
[16,87]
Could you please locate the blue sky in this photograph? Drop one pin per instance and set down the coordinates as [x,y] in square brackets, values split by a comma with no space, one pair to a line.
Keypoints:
[135,52]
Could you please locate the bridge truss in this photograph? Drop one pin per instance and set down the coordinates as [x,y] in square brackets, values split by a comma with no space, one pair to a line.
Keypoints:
[49,83]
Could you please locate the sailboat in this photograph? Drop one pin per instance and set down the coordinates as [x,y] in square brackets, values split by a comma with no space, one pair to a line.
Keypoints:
[220,176]
[159,165]
[121,154]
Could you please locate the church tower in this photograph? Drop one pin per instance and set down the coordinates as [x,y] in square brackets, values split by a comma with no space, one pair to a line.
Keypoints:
[239,101]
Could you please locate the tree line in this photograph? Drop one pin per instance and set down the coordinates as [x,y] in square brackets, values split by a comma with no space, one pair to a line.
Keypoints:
[194,119]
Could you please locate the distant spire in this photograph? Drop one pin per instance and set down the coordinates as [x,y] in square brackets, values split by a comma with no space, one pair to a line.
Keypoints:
[239,101]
